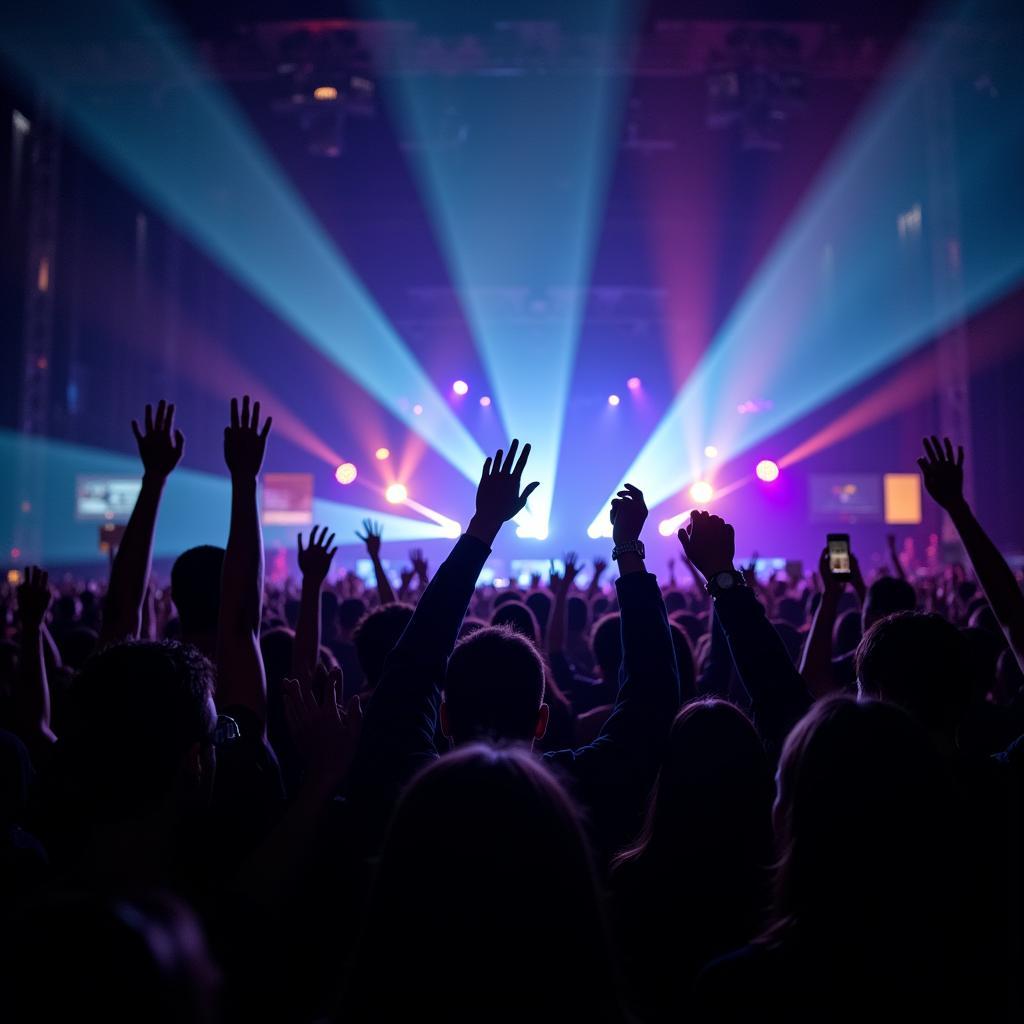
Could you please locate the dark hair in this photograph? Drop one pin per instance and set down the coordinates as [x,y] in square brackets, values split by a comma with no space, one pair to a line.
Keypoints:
[675,601]
[918,661]
[136,708]
[195,588]
[859,808]
[577,614]
[505,596]
[376,635]
[847,632]
[712,799]
[887,595]
[791,611]
[494,686]
[607,644]
[695,626]
[519,617]
[540,604]
[492,835]
[350,611]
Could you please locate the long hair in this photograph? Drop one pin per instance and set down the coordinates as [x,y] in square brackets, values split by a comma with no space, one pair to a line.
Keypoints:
[485,897]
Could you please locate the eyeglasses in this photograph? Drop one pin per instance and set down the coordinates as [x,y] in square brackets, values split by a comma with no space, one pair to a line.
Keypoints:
[225,731]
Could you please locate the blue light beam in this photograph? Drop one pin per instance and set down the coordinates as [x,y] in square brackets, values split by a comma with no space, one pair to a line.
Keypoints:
[192,155]
[849,287]
[514,167]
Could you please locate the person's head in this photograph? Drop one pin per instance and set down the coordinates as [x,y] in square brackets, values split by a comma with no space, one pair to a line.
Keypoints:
[886,596]
[577,614]
[791,611]
[847,632]
[195,590]
[607,644]
[519,617]
[494,688]
[140,731]
[484,842]
[350,613]
[858,816]
[675,601]
[711,803]
[375,638]
[505,596]
[540,604]
[918,661]
[695,626]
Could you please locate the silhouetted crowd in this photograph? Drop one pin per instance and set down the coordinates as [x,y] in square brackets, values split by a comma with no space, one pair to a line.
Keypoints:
[793,797]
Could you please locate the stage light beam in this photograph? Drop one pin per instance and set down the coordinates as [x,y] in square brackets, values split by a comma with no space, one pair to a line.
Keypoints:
[197,161]
[842,294]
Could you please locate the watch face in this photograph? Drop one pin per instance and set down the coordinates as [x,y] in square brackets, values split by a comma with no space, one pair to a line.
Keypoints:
[724,580]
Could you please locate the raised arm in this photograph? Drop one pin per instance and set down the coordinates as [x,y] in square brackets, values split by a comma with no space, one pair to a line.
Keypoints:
[160,448]
[314,564]
[32,696]
[595,581]
[241,680]
[371,537]
[560,585]
[398,732]
[943,474]
[894,556]
[777,693]
[816,664]
[420,567]
[618,769]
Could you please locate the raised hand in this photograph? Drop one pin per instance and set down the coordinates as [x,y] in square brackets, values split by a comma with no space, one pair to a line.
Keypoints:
[325,733]
[34,597]
[628,514]
[315,560]
[161,446]
[561,583]
[406,576]
[943,472]
[245,443]
[599,567]
[500,495]
[371,537]
[419,564]
[709,543]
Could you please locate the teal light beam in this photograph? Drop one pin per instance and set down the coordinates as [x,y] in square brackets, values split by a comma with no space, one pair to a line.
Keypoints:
[193,156]
[514,167]
[851,285]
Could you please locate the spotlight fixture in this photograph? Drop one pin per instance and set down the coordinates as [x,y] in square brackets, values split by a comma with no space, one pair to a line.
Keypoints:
[460,387]
[633,383]
[485,400]
[396,494]
[381,454]
[711,452]
[614,400]
[767,471]
[345,473]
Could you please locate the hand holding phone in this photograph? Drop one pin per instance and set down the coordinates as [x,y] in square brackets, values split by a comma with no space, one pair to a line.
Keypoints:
[839,554]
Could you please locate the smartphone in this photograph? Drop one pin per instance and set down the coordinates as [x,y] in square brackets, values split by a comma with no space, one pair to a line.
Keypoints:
[839,554]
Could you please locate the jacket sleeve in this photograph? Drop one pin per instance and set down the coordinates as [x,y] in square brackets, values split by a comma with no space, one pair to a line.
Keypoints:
[401,717]
[778,696]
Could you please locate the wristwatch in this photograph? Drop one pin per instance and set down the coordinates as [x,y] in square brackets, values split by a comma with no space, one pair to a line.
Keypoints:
[720,582]
[631,547]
